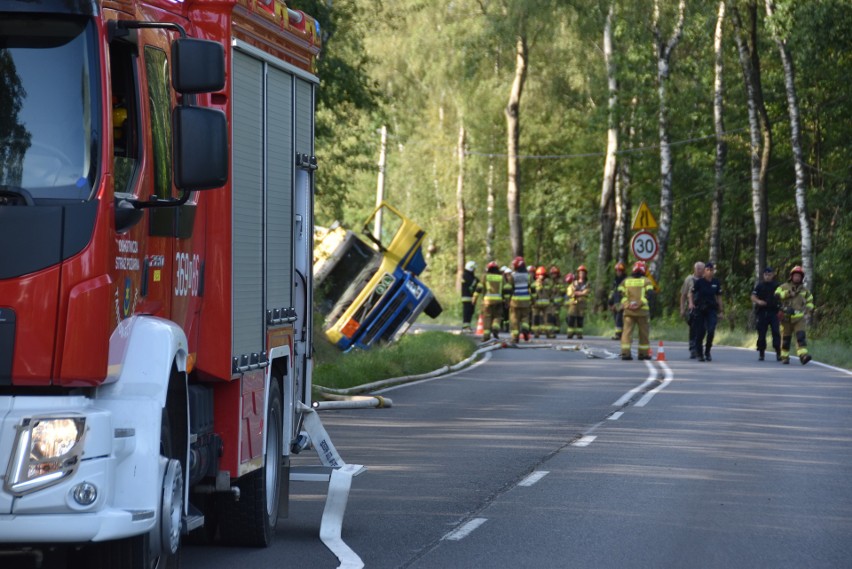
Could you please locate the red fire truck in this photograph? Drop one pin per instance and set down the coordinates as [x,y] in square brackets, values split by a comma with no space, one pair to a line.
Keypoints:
[156,223]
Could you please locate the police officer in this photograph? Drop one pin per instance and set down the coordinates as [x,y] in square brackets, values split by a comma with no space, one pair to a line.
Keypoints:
[685,312]
[706,301]
[796,302]
[469,293]
[766,311]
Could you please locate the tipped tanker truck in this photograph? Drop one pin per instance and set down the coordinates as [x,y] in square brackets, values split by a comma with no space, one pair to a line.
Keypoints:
[156,232]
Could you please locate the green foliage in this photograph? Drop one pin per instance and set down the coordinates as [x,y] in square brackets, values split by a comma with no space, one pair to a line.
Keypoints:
[426,68]
[413,354]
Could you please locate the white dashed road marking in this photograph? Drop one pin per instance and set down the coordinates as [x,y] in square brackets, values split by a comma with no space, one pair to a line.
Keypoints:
[464,530]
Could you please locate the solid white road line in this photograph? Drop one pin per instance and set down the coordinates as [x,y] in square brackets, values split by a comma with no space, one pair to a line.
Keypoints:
[667,379]
[533,478]
[464,530]
[652,377]
[584,441]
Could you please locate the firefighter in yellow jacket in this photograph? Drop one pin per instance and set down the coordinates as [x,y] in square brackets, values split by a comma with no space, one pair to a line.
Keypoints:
[575,299]
[796,302]
[634,300]
[552,325]
[492,301]
[541,301]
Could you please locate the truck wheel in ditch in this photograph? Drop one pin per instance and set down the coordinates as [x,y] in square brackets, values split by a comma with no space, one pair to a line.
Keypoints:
[251,520]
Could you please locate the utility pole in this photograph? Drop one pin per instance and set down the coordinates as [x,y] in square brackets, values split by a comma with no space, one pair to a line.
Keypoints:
[380,187]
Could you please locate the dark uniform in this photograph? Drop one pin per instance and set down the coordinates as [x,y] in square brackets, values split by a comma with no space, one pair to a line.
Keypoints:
[705,297]
[469,293]
[767,314]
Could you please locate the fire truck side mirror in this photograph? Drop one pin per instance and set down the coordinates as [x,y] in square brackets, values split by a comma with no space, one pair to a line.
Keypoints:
[200,148]
[198,66]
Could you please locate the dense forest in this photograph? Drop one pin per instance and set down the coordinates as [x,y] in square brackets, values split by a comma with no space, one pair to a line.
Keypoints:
[537,127]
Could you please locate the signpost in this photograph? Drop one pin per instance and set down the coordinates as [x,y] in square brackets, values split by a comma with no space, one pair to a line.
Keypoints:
[644,244]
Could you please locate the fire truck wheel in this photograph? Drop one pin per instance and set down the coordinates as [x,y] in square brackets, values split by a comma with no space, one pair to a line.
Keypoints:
[251,520]
[144,551]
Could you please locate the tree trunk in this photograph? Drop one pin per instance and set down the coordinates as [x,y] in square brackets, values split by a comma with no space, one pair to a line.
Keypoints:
[664,54]
[490,231]
[721,145]
[796,145]
[607,205]
[513,193]
[766,134]
[758,199]
[460,209]
[622,191]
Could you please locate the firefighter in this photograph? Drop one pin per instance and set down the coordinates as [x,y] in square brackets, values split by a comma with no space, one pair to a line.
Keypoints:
[796,302]
[541,292]
[507,296]
[555,303]
[569,280]
[634,292]
[576,297]
[492,301]
[470,289]
[519,305]
[615,300]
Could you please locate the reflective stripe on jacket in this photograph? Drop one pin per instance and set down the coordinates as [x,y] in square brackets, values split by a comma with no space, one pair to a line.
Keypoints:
[493,288]
[521,286]
[635,289]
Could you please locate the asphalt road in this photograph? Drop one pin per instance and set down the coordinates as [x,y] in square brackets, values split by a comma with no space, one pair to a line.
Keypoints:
[546,458]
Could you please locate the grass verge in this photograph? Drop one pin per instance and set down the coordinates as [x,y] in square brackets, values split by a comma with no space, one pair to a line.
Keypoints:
[413,354]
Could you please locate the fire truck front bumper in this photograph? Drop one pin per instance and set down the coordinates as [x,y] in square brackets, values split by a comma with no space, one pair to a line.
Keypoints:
[73,470]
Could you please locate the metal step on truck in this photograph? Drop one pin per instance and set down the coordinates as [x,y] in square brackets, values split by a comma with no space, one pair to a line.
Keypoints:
[156,231]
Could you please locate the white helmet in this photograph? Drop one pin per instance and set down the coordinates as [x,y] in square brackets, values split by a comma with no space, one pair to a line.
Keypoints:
[504,269]
[470,265]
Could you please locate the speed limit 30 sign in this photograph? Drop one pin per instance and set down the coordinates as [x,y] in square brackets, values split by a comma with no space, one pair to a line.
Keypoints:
[644,246]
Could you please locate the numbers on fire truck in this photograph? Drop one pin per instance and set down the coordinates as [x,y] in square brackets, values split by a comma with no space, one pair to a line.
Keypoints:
[187,273]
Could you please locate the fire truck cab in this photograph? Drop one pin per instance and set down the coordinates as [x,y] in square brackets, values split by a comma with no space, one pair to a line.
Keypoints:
[156,223]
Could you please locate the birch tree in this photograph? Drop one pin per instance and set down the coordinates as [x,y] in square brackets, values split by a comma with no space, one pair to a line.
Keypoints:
[460,255]
[796,146]
[760,132]
[663,51]
[513,134]
[622,190]
[721,145]
[607,204]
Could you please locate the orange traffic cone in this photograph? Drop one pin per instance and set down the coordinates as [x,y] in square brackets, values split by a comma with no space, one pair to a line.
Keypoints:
[661,353]
[480,329]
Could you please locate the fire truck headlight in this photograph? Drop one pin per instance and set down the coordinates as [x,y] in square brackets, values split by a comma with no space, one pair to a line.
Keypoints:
[47,450]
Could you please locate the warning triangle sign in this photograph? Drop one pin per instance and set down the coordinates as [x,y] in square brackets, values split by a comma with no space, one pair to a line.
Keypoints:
[644,219]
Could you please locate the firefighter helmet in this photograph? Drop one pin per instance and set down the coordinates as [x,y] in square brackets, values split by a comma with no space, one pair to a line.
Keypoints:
[582,268]
[554,270]
[517,263]
[470,265]
[491,265]
[569,278]
[639,267]
[619,266]
[531,269]
[541,271]
[797,269]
